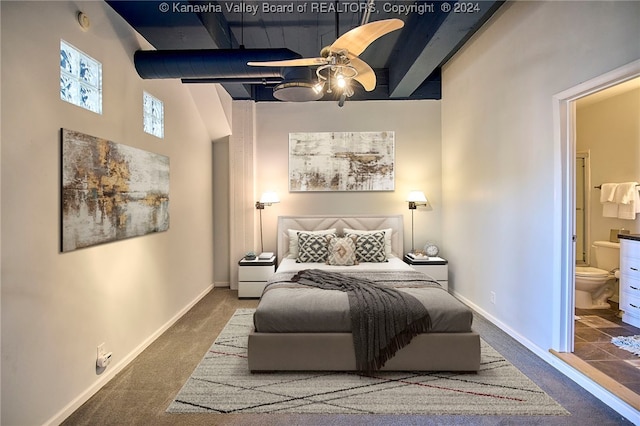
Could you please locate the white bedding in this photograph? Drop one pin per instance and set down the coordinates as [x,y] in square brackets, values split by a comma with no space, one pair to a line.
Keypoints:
[394,264]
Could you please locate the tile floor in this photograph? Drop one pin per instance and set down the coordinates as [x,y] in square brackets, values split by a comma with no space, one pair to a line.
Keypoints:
[593,333]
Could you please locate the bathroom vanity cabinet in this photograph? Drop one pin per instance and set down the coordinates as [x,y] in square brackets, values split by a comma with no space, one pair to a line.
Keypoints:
[630,279]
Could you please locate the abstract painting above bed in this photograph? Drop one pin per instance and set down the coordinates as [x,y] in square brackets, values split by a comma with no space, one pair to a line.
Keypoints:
[342,161]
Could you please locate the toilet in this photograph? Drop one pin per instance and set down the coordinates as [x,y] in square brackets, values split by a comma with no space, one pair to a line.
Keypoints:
[595,284]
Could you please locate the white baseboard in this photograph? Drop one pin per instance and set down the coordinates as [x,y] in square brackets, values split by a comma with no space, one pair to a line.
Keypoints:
[585,382]
[111,372]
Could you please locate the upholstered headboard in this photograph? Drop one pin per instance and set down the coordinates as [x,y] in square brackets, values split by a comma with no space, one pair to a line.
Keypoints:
[317,223]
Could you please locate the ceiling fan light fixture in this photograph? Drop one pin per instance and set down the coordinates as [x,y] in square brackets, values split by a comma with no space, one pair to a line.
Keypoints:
[296,91]
[341,58]
[336,76]
[348,91]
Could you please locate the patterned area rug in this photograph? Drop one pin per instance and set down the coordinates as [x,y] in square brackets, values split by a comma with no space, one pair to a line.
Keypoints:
[222,383]
[628,343]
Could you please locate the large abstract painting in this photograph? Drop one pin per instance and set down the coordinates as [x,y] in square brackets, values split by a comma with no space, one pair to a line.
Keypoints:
[110,191]
[341,161]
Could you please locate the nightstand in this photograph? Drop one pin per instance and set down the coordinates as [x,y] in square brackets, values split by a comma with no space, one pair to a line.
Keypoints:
[436,267]
[253,276]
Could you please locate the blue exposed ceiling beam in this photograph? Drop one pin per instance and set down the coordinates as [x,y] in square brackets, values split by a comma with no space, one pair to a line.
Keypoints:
[167,29]
[164,28]
[433,39]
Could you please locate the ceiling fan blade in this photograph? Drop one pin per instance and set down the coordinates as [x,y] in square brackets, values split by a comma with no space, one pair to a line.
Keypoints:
[358,39]
[303,62]
[366,76]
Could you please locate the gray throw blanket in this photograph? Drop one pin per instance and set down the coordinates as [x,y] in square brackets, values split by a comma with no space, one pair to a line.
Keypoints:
[383,319]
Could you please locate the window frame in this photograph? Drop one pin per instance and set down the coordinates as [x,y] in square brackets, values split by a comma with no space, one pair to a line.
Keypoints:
[80,78]
[150,115]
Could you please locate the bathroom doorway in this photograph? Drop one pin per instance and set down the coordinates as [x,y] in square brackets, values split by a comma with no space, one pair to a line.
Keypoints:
[565,131]
[607,143]
[574,184]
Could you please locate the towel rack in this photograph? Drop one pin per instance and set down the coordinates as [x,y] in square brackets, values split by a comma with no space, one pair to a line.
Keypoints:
[600,186]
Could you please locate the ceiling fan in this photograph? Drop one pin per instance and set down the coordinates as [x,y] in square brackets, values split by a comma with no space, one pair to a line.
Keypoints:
[338,64]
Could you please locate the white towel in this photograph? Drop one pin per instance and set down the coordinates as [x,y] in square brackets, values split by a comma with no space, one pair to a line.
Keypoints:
[626,192]
[610,210]
[628,198]
[607,195]
[608,192]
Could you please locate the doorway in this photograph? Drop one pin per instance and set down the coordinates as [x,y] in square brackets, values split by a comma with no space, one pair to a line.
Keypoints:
[565,131]
[565,105]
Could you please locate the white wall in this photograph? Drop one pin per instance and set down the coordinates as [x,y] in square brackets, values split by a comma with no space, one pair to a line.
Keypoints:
[610,131]
[56,308]
[417,148]
[500,164]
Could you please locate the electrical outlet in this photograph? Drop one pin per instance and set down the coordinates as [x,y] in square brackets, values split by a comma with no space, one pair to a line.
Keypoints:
[492,297]
[104,360]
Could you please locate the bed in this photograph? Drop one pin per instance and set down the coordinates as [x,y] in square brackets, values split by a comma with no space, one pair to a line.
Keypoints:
[308,329]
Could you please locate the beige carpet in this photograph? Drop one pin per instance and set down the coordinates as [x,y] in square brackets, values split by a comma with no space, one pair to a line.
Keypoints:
[222,383]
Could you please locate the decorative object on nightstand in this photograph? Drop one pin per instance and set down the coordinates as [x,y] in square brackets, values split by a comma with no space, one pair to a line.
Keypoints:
[436,267]
[415,199]
[253,276]
[431,250]
[268,198]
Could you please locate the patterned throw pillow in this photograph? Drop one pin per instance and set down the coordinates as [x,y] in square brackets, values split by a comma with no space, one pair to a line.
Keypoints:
[387,237]
[370,247]
[312,248]
[342,251]
[293,239]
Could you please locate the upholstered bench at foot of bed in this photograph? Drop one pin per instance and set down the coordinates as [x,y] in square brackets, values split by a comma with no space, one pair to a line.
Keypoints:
[334,352]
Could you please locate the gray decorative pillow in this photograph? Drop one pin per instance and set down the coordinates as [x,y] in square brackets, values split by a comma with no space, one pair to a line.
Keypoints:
[342,251]
[387,237]
[370,247]
[312,248]
[293,239]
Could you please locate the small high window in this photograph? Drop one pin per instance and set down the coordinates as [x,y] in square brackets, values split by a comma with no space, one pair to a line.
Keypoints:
[153,115]
[80,78]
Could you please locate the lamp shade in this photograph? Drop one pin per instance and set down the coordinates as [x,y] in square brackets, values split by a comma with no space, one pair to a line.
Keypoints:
[269,197]
[417,197]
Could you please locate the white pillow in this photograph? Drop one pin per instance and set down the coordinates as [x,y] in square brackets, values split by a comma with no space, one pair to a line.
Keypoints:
[293,239]
[387,237]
